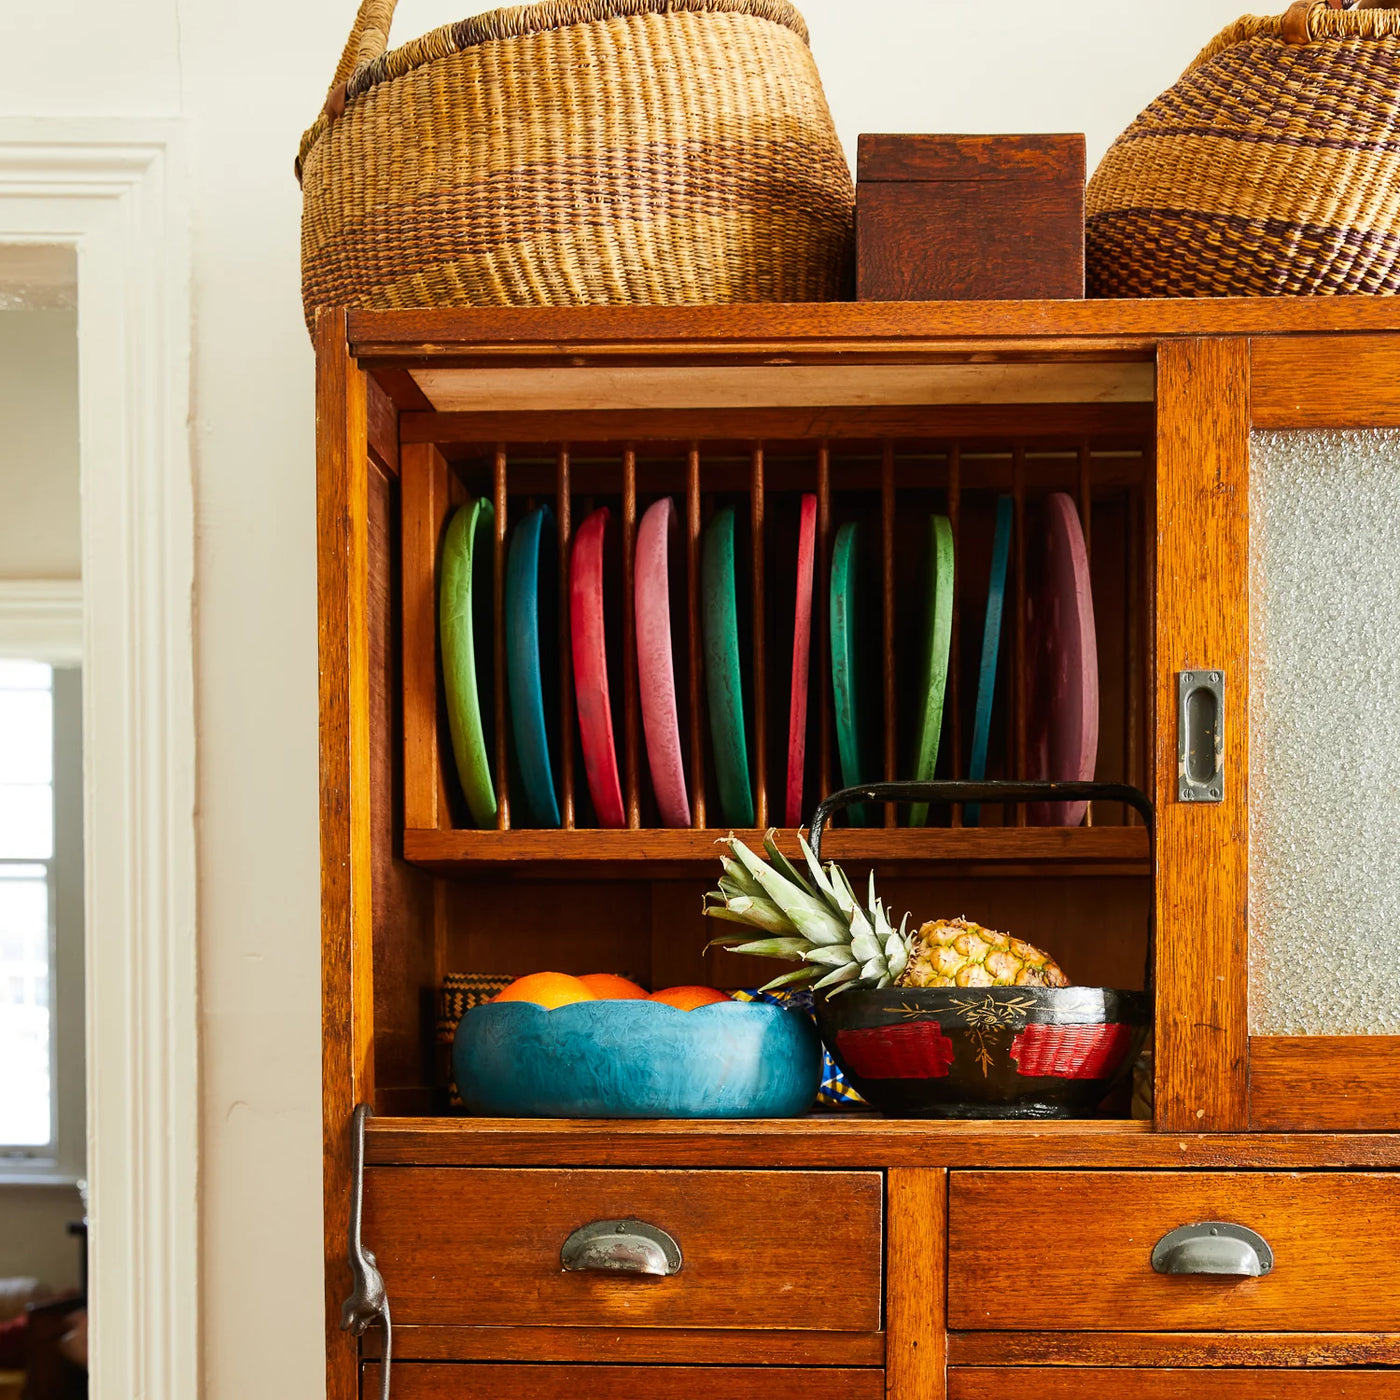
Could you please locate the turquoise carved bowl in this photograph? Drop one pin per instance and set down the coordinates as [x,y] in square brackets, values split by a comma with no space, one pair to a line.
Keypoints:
[636,1059]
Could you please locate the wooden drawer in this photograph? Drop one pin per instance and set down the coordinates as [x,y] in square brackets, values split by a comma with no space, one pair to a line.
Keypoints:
[1075,1383]
[1072,1250]
[465,1382]
[478,1246]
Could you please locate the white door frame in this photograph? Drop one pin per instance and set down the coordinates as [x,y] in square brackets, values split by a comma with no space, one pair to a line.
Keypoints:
[113,191]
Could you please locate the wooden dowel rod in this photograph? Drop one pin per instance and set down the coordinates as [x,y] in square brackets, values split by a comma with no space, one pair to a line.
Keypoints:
[955,646]
[498,605]
[563,509]
[1086,524]
[891,756]
[631,704]
[697,678]
[1019,668]
[760,672]
[823,592]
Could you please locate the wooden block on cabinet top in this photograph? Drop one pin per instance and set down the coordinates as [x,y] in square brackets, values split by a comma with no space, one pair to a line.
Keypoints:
[969,218]
[1080,1257]
[481,1246]
[1067,1383]
[448,1382]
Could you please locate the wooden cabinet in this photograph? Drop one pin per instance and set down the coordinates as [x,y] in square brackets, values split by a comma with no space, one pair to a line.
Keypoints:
[849,1253]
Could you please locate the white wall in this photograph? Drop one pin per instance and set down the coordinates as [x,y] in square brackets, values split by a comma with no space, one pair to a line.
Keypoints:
[249,77]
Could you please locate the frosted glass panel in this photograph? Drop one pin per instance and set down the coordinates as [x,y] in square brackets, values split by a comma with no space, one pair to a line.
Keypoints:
[1325,733]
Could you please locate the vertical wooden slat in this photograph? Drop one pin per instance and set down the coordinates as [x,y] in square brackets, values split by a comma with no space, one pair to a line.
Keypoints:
[955,647]
[424,505]
[823,591]
[631,705]
[891,756]
[498,618]
[1019,669]
[347,981]
[564,514]
[692,594]
[757,504]
[1134,685]
[1086,525]
[916,1290]
[1202,850]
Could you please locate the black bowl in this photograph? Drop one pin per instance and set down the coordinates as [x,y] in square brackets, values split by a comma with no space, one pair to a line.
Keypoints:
[984,1052]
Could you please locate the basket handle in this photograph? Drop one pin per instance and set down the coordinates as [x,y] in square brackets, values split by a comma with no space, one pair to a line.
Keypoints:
[368,40]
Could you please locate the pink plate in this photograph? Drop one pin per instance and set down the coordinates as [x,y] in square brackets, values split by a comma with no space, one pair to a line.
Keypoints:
[801,659]
[657,536]
[591,669]
[1063,718]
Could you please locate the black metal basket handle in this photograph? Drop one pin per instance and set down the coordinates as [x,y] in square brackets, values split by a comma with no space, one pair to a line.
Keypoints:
[959,793]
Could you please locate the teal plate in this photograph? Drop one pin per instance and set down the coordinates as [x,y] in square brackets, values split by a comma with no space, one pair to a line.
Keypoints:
[991,647]
[938,637]
[466,553]
[531,608]
[723,678]
[845,665]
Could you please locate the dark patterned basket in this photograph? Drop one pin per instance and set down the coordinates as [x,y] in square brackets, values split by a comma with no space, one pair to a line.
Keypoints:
[1271,168]
[460,992]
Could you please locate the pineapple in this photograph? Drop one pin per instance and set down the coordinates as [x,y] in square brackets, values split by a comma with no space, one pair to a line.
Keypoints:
[816,917]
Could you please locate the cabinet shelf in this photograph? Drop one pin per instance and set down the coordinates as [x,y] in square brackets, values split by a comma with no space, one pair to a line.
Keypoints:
[1085,850]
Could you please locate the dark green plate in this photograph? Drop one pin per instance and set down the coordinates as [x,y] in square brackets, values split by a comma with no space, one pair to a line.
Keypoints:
[845,663]
[723,678]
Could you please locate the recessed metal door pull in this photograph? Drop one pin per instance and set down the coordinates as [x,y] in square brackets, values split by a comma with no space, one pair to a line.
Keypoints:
[1200,736]
[368,1303]
[1213,1247]
[621,1247]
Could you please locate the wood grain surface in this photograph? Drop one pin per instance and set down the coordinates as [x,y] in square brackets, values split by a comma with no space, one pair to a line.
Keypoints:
[1317,1083]
[916,1294]
[1268,1349]
[858,1141]
[1082,1257]
[1042,1383]
[656,1346]
[659,332]
[1202,623]
[347,986]
[1295,383]
[425,503]
[921,156]
[466,1382]
[1111,847]
[483,1247]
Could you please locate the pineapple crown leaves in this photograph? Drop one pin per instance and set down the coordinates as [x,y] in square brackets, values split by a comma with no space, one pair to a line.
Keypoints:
[813,916]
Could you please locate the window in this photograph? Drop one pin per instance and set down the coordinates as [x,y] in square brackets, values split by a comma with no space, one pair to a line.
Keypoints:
[40,918]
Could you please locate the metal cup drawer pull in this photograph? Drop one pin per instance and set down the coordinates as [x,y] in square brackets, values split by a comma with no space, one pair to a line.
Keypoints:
[621,1247]
[1213,1247]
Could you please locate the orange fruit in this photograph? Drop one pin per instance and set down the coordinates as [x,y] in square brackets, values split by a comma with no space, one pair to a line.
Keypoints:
[608,986]
[688,998]
[547,989]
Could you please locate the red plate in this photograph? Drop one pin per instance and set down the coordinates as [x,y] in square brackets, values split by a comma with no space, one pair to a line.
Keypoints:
[591,669]
[1063,721]
[801,660]
[656,673]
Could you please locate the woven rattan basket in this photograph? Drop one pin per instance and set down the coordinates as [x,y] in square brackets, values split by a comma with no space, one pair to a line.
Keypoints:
[1271,168]
[624,151]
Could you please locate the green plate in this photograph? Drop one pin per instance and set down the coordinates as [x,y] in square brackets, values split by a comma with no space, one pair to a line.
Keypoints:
[466,550]
[723,678]
[845,663]
[938,637]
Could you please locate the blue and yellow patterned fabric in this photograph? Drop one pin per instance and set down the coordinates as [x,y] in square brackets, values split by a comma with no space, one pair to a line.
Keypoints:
[836,1090]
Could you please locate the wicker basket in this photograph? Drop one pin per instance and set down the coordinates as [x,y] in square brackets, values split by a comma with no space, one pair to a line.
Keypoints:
[1271,168]
[623,151]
